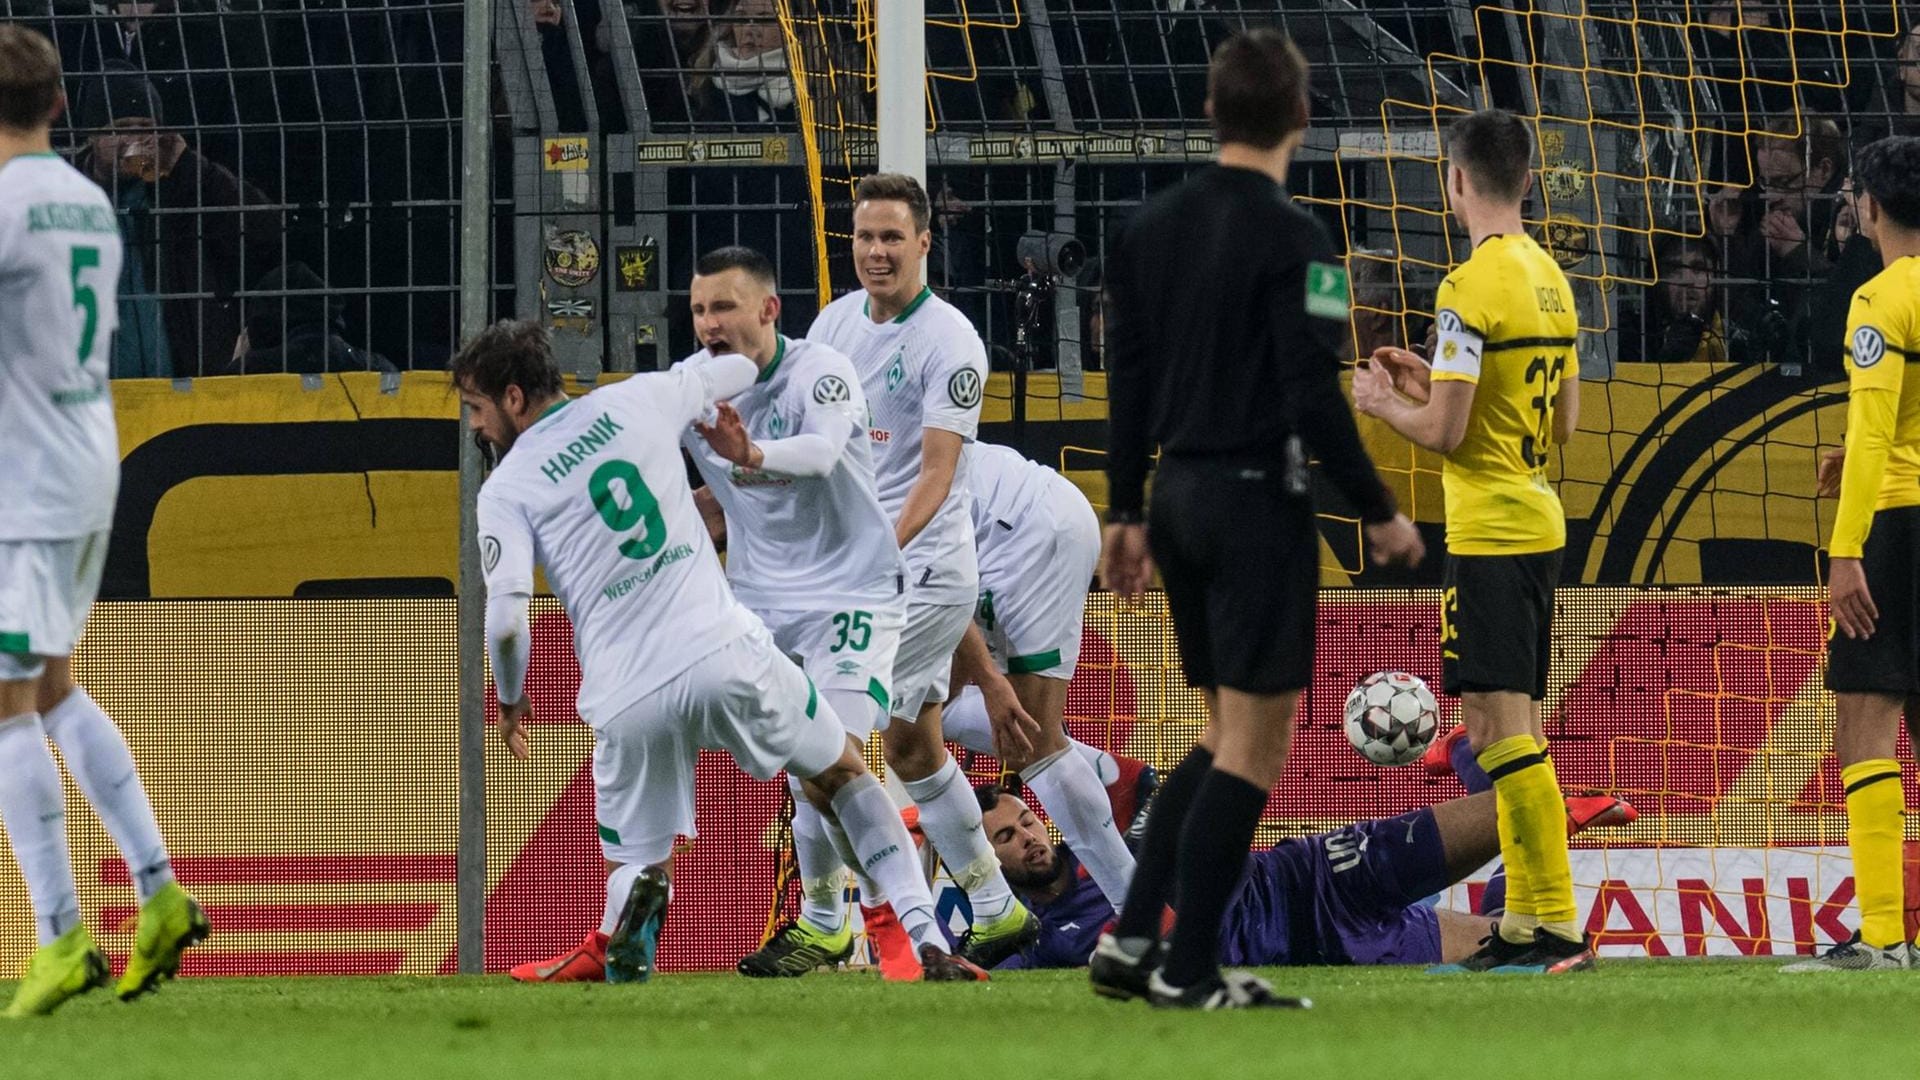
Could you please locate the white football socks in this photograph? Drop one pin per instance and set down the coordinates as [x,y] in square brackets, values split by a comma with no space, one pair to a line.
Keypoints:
[619,884]
[823,904]
[97,756]
[884,852]
[1105,768]
[1077,802]
[950,816]
[34,809]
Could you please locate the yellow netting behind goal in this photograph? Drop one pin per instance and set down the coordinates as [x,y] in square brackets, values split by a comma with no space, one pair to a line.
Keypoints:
[836,78]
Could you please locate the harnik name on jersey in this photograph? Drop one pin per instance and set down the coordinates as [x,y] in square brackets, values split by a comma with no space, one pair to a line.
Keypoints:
[590,442]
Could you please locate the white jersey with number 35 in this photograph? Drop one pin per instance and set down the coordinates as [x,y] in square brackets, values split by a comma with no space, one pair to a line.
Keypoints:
[596,493]
[926,368]
[59,268]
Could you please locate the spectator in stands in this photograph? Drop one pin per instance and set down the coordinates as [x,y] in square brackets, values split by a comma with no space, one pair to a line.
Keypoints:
[188,237]
[957,258]
[742,75]
[667,46]
[1680,319]
[1800,175]
[1381,310]
[294,328]
[1852,261]
[1906,84]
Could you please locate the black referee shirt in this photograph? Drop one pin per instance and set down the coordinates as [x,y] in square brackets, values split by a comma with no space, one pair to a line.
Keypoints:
[1215,348]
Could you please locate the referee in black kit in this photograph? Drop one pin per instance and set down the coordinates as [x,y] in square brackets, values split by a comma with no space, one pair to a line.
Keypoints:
[1229,325]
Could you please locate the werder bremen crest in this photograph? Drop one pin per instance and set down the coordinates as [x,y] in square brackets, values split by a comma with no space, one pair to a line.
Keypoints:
[897,372]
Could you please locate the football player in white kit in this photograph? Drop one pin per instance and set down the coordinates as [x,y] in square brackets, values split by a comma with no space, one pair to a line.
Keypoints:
[60,256]
[595,492]
[924,371]
[809,550]
[1038,542]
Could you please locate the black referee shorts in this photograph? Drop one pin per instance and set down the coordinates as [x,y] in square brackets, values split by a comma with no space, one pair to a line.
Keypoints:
[1889,661]
[1241,562]
[1496,623]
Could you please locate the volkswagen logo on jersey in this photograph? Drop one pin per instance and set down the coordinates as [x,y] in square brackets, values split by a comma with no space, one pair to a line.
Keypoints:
[1449,321]
[964,388]
[897,373]
[828,389]
[1868,347]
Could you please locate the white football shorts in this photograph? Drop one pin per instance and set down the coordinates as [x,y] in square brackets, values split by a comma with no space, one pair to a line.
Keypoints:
[746,699]
[852,650]
[924,669]
[47,589]
[1033,585]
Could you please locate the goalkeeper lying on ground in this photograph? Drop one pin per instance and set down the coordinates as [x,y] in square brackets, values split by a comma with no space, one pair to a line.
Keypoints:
[1352,896]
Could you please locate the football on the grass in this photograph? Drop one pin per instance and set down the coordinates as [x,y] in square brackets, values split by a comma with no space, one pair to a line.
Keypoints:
[1391,717]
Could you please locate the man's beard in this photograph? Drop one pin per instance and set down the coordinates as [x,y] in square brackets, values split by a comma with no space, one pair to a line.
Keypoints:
[1035,880]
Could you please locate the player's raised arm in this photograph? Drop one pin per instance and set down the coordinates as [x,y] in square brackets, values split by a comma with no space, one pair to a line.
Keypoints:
[698,383]
[1439,423]
[826,428]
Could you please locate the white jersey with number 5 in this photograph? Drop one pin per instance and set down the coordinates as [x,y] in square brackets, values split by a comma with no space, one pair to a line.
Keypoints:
[596,493]
[804,542]
[926,368]
[59,271]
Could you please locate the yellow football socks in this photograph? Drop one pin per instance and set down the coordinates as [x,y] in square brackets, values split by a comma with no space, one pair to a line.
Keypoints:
[1875,806]
[1533,840]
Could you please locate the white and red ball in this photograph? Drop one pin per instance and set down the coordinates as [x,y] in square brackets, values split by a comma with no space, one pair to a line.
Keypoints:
[1391,717]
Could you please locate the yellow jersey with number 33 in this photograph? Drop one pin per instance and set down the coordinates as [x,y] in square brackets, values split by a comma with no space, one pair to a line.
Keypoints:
[1883,405]
[1506,324]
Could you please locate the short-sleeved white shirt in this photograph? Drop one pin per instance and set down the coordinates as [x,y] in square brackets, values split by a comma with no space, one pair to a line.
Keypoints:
[926,368]
[60,257]
[803,543]
[596,493]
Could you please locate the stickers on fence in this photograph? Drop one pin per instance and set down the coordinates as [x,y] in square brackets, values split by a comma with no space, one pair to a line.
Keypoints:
[572,257]
[565,154]
[636,264]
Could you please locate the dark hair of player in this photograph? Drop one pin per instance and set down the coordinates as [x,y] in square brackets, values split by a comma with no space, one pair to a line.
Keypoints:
[511,352]
[29,78]
[1257,88]
[737,257]
[989,795]
[1889,170]
[1495,149]
[897,187]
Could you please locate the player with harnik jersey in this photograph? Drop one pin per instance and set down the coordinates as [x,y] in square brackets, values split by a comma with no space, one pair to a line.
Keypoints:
[1503,388]
[924,370]
[1873,651]
[60,257]
[595,492]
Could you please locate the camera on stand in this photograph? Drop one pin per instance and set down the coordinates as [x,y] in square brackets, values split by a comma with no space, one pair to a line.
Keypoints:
[1047,259]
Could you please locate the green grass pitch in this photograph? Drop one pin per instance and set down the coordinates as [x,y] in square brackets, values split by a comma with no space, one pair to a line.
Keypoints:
[1684,1019]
